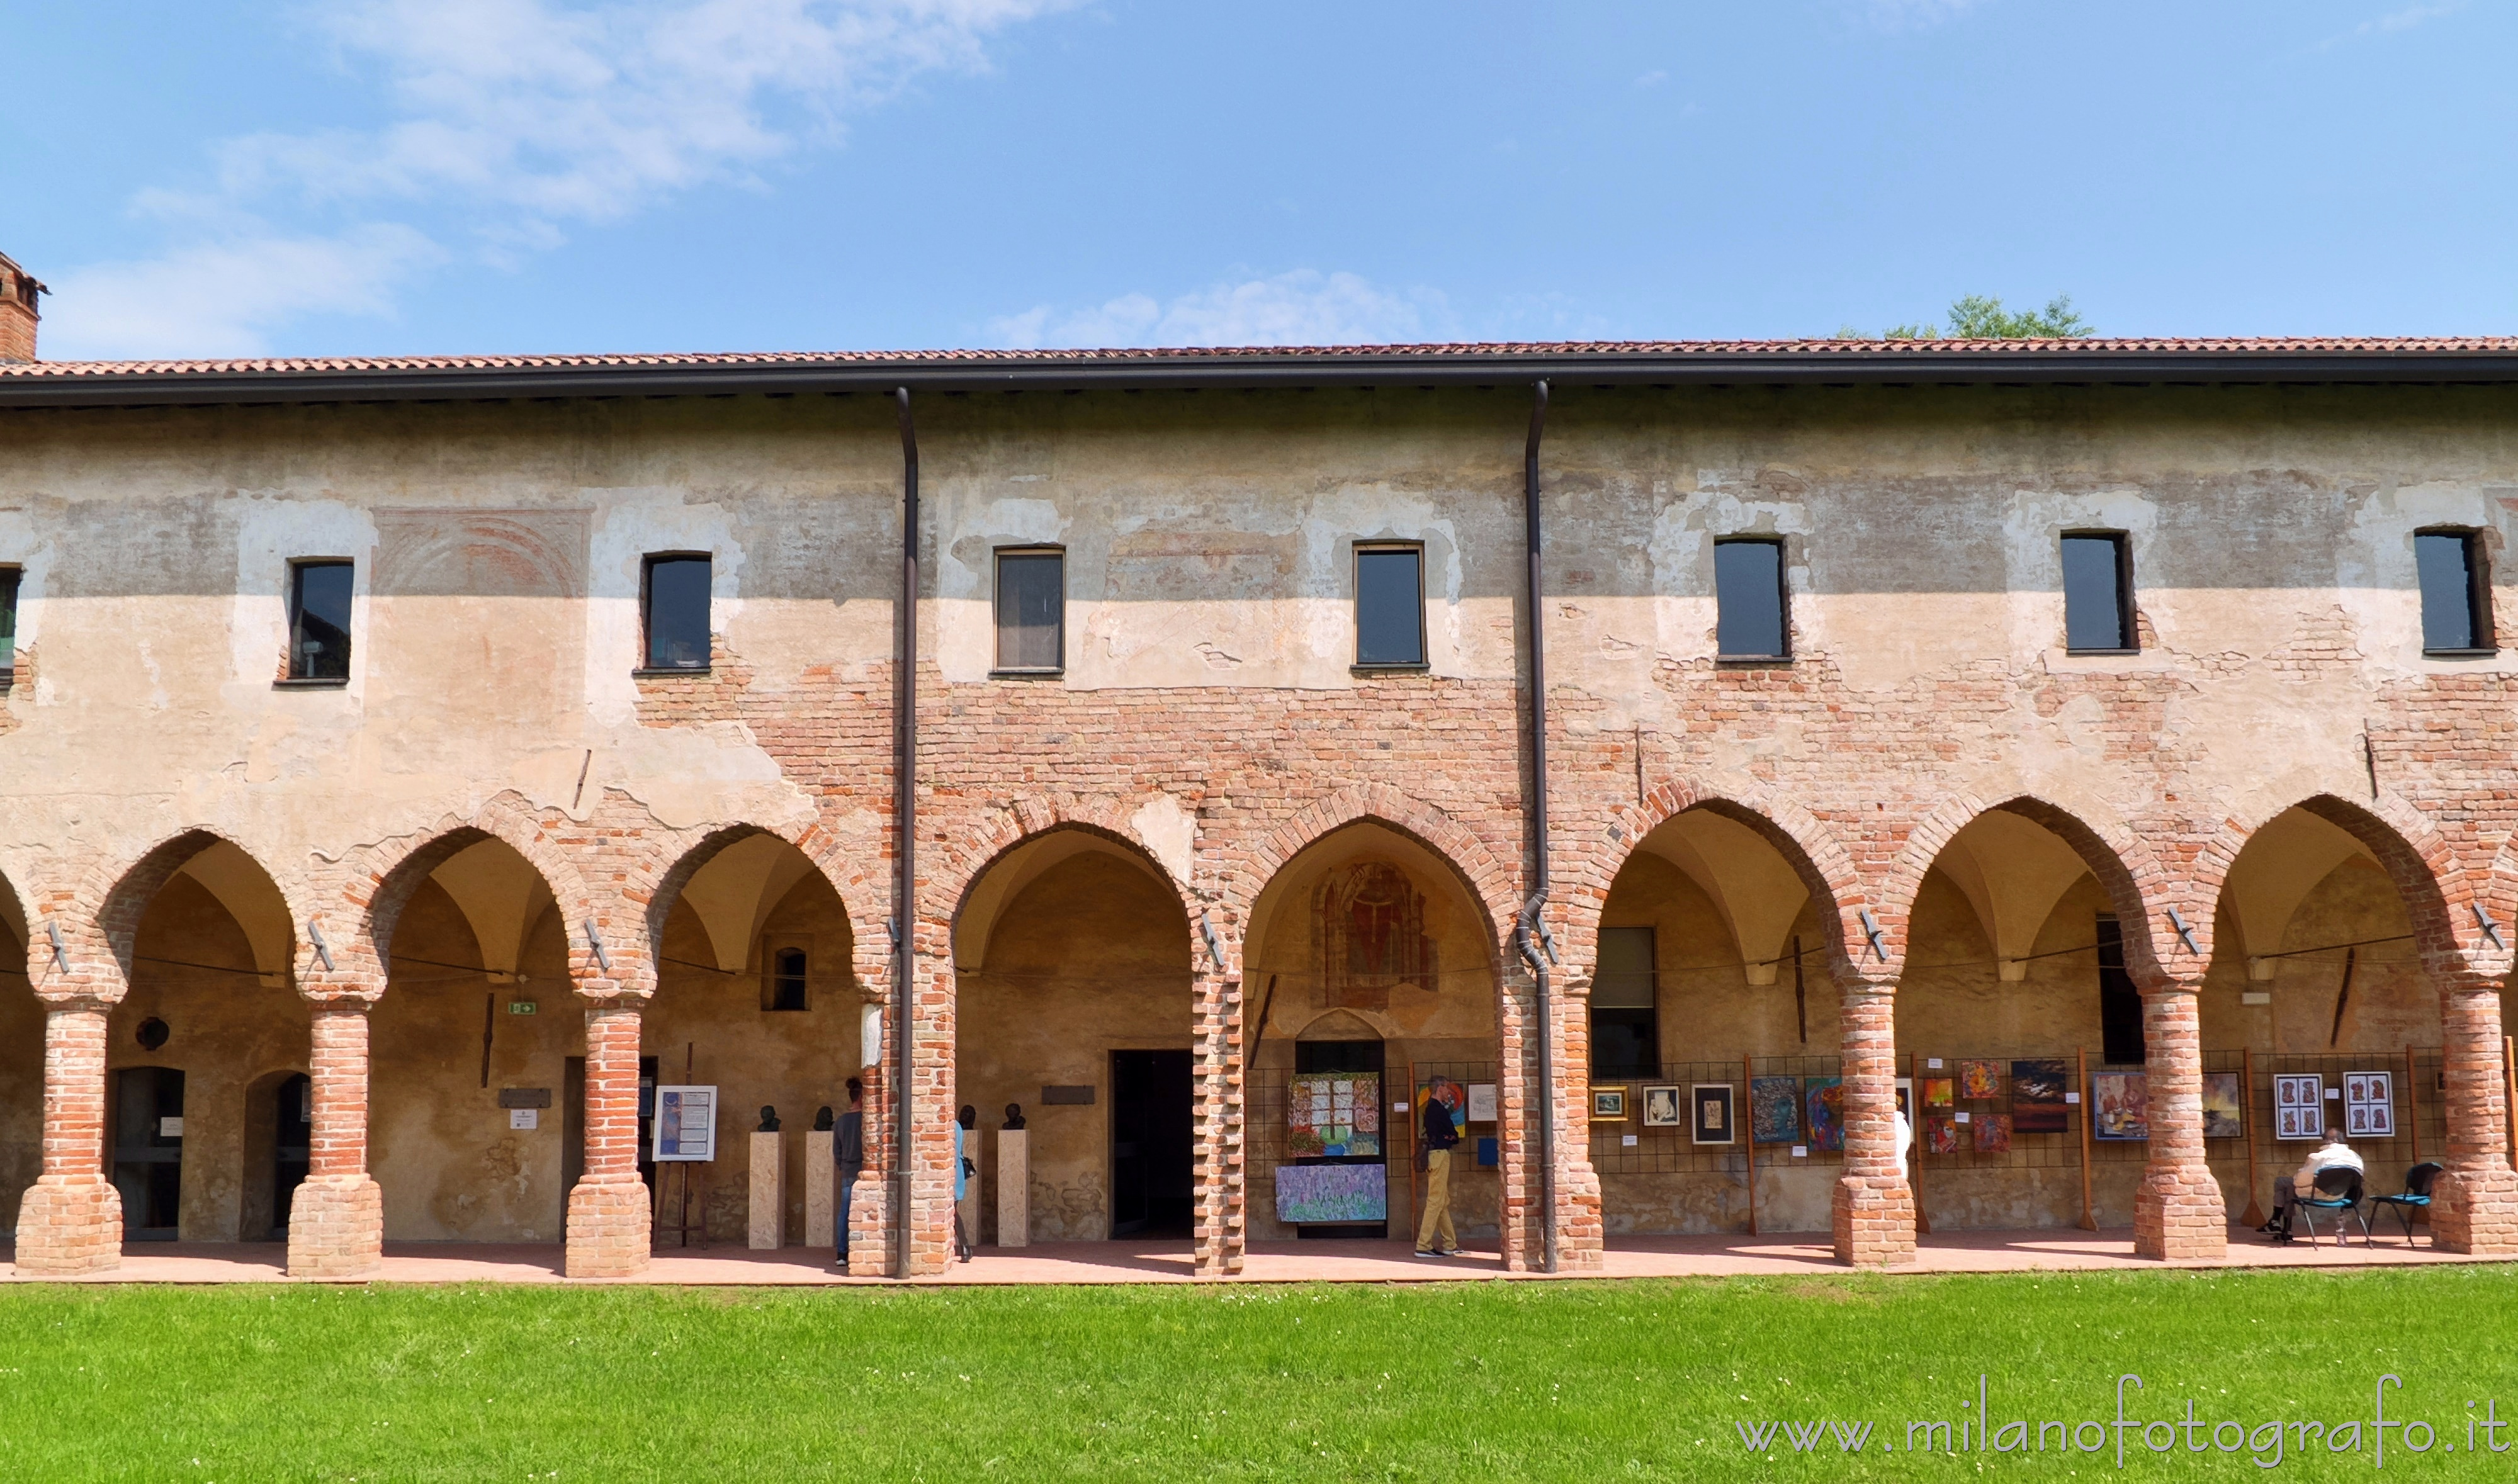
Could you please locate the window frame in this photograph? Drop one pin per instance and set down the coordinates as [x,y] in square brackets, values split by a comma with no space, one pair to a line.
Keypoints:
[647,665]
[771,946]
[1648,1015]
[1357,551]
[1783,599]
[2128,630]
[2480,628]
[997,611]
[294,603]
[13,580]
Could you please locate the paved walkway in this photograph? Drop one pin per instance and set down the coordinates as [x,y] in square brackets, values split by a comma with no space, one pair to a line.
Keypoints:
[1798,1253]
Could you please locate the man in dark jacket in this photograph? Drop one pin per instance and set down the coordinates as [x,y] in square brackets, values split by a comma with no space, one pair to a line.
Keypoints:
[848,1151]
[1439,1136]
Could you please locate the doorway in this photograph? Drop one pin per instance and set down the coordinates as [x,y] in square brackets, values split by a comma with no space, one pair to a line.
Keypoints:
[149,1151]
[1154,1181]
[1365,1058]
[292,1146]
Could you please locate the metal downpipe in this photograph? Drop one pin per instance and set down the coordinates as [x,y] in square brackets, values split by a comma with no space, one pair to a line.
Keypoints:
[905,834]
[1531,934]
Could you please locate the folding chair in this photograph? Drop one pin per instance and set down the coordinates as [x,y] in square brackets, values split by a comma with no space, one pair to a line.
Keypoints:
[2338,1189]
[2416,1196]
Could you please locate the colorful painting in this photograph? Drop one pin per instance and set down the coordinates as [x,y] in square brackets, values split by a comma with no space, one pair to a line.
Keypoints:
[1823,1101]
[2123,1109]
[1979,1079]
[1331,1192]
[1992,1132]
[1940,1135]
[1337,1114]
[2370,1105]
[2037,1095]
[1775,1109]
[1608,1105]
[2224,1116]
[1451,1100]
[1712,1104]
[1939,1092]
[2299,1108]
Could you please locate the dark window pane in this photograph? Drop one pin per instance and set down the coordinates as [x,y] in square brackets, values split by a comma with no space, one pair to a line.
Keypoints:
[9,576]
[2093,594]
[319,628]
[1626,979]
[2120,1032]
[1626,1043]
[1749,599]
[2447,590]
[1389,607]
[1031,610]
[678,613]
[787,978]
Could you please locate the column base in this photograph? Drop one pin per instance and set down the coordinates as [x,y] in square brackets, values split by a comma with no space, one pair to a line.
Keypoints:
[611,1229]
[1581,1246]
[870,1228]
[1875,1222]
[2474,1211]
[69,1225]
[336,1227]
[2179,1216]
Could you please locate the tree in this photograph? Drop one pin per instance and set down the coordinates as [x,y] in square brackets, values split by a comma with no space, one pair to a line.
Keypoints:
[1980,316]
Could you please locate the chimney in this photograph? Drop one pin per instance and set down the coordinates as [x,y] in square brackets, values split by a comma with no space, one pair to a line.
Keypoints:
[18,312]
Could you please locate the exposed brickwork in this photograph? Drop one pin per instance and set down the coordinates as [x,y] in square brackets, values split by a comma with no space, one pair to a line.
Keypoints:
[610,1218]
[1874,1207]
[71,1221]
[336,1220]
[2474,1207]
[2178,1213]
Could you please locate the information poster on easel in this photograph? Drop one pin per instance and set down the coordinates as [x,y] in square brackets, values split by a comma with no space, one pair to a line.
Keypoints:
[686,1125]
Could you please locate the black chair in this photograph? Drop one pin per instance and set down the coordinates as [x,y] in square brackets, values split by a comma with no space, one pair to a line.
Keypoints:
[2338,1189]
[2416,1196]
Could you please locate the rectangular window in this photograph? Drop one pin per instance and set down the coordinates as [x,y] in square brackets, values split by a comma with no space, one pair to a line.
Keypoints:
[1389,606]
[1749,600]
[1031,612]
[2456,592]
[9,578]
[319,619]
[2098,593]
[786,965]
[675,611]
[1625,1005]
[2119,1002]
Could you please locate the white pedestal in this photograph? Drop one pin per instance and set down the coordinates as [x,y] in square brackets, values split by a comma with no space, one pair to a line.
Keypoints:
[1014,1187]
[821,1184]
[768,1229]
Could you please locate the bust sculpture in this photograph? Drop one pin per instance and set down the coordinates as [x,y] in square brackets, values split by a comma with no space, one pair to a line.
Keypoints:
[768,1118]
[822,1119]
[1013,1115]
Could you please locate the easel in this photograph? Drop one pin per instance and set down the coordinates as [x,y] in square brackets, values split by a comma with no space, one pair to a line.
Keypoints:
[1748,1079]
[681,1226]
[2089,1209]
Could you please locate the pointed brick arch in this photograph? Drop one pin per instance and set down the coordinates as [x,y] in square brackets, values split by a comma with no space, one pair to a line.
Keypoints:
[1491,884]
[966,858]
[2440,892]
[374,883]
[838,860]
[101,932]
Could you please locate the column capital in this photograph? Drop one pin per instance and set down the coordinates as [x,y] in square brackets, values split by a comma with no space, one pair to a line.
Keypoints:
[2469,973]
[341,989]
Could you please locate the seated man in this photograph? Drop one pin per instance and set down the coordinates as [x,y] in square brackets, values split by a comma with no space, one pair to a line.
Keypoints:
[2330,1154]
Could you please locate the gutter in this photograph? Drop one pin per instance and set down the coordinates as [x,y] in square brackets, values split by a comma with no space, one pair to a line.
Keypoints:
[904,812]
[1530,935]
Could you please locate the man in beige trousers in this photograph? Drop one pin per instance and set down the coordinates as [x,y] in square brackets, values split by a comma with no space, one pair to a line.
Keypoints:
[1439,1138]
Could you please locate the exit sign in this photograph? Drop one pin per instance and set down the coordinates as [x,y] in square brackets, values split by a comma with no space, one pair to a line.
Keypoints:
[521,1007]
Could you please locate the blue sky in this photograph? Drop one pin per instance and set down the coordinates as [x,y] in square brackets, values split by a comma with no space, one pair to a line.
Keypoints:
[384,176]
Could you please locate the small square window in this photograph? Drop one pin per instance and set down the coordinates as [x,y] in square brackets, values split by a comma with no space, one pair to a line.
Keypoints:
[1389,606]
[2098,593]
[675,611]
[1750,621]
[786,975]
[319,619]
[2456,592]
[1031,612]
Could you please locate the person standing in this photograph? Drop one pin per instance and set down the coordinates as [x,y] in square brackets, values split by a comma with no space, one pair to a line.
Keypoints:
[963,1122]
[848,1152]
[1439,1136]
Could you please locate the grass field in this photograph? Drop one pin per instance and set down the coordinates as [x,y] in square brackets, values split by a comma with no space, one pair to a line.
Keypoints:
[1491,1380]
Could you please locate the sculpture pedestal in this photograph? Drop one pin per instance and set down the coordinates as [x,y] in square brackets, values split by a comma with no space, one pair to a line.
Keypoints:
[821,1199]
[1014,1187]
[768,1229]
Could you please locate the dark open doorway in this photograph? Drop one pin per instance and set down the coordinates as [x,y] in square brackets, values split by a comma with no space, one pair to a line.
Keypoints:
[1154,1182]
[149,1151]
[1358,1056]
[292,1146]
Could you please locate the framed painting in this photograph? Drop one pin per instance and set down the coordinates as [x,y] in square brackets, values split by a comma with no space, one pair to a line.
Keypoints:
[1940,1135]
[1608,1105]
[2225,1117]
[1906,1097]
[2299,1106]
[1940,1092]
[1775,1109]
[1661,1108]
[1710,1109]
[1332,1192]
[2123,1110]
[1823,1105]
[2037,1095]
[1337,1114]
[2370,1105]
[1992,1134]
[1979,1079]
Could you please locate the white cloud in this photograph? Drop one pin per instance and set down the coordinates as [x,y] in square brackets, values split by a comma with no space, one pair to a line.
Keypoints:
[1299,308]
[1914,15]
[513,120]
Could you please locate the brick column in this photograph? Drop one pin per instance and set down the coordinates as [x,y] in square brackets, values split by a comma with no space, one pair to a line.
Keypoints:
[2474,1205]
[610,1218]
[1580,1245]
[1873,1205]
[2178,1216]
[926,1181]
[71,1219]
[871,1226]
[336,1220]
[1222,1196]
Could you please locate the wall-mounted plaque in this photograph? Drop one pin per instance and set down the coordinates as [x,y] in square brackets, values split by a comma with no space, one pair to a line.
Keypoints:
[1073,1095]
[524,1097]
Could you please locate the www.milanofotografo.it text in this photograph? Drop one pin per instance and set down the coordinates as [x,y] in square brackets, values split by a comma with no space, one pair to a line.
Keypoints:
[2129,1439]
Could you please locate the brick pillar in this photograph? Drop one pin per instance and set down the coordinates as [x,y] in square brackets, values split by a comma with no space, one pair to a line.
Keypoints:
[2178,1216]
[2474,1205]
[610,1218]
[1873,1205]
[336,1220]
[1580,1245]
[870,1214]
[1222,1198]
[927,1176]
[71,1219]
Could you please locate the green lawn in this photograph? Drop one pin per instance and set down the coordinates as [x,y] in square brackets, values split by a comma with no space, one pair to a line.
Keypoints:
[1488,1381]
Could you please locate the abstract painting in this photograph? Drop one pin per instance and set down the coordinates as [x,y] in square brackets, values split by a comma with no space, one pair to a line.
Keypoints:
[2224,1116]
[2037,1095]
[1775,1109]
[1823,1101]
[1939,1092]
[1331,1192]
[1333,1113]
[1712,1105]
[1992,1134]
[1940,1135]
[2123,1109]
[1979,1079]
